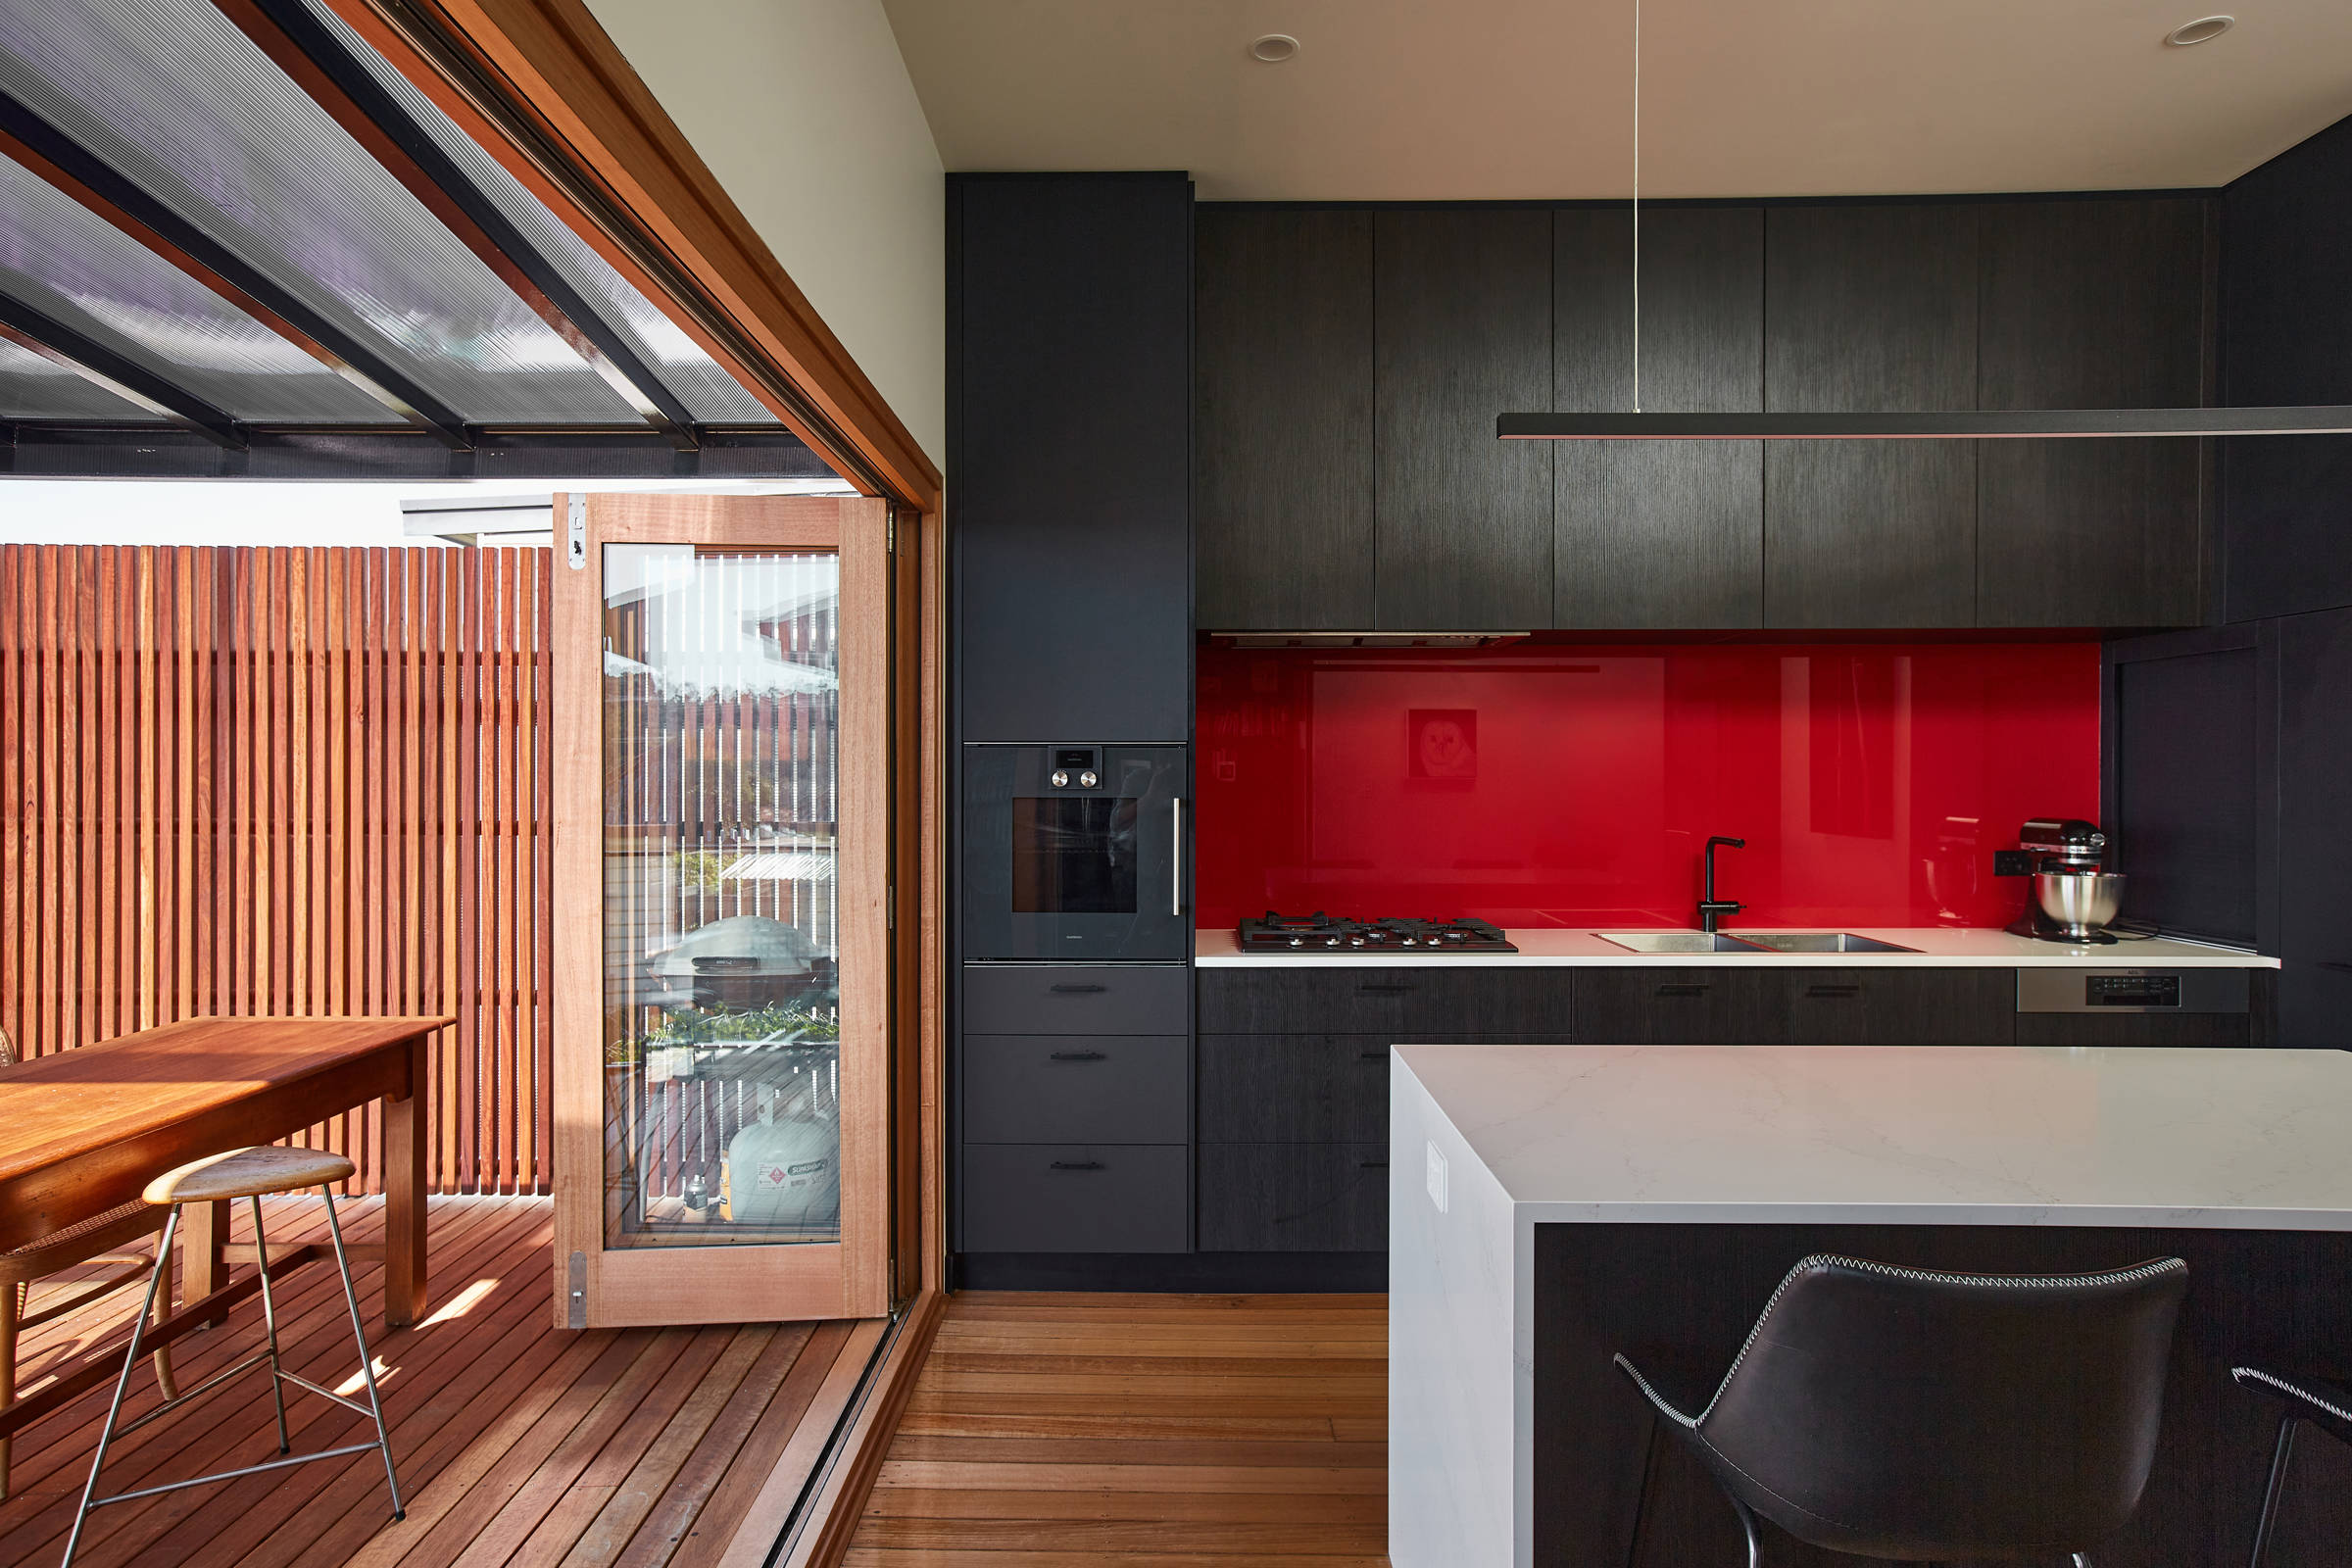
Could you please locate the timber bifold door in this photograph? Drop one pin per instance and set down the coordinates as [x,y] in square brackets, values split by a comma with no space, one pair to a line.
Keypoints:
[721,674]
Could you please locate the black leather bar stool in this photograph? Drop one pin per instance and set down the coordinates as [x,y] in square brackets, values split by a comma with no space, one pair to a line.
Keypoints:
[247,1173]
[1915,1417]
[2312,1401]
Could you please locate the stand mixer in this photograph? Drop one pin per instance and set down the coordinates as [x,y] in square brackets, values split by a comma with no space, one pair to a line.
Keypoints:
[2075,895]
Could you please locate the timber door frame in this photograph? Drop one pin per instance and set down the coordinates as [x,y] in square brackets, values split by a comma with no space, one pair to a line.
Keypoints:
[601,1286]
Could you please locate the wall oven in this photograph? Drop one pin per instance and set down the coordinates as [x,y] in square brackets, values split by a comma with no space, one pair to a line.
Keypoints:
[1074,852]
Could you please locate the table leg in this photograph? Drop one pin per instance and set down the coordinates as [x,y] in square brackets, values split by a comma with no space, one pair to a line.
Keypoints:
[404,1199]
[204,1253]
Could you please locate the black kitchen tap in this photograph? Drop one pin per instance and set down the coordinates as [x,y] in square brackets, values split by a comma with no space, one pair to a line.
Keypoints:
[1710,908]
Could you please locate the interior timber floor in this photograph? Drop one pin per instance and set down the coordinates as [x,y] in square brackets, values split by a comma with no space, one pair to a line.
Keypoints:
[1055,1431]
[518,1442]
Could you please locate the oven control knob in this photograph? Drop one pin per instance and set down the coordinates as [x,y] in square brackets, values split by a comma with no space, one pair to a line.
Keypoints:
[1061,779]
[1089,779]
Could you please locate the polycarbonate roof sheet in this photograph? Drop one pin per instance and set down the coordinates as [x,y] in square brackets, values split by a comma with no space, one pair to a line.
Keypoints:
[33,388]
[171,95]
[64,261]
[709,393]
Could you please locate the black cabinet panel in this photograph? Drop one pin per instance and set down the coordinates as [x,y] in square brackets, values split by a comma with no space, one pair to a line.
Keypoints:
[1658,533]
[1887,1007]
[1079,999]
[2132,1029]
[2315,829]
[1053,1089]
[1075,1198]
[1870,308]
[1293,1089]
[2090,305]
[2188,731]
[2286,330]
[1294,1198]
[1463,306]
[1475,1001]
[1723,1005]
[1070,371]
[1283,419]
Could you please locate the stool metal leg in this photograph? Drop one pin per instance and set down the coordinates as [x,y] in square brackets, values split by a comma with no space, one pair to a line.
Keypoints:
[1755,1542]
[278,1371]
[114,1411]
[2280,1458]
[350,1298]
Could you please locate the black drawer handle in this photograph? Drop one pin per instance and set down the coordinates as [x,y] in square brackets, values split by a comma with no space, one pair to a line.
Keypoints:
[1076,1164]
[2340,969]
[1682,991]
[1077,1055]
[1371,1164]
[1386,990]
[1371,1056]
[1832,992]
[1072,990]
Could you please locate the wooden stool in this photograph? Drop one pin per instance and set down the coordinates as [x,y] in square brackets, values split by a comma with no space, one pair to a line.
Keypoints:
[246,1173]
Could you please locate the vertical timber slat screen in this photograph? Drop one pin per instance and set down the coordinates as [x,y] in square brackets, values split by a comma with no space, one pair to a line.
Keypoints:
[285,781]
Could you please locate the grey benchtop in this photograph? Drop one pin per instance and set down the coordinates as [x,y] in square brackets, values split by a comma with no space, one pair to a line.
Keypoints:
[1938,948]
[2003,1135]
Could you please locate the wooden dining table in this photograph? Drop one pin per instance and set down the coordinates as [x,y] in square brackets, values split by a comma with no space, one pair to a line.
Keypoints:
[83,1131]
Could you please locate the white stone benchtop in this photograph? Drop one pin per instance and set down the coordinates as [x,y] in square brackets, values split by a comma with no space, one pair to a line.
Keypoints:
[1938,948]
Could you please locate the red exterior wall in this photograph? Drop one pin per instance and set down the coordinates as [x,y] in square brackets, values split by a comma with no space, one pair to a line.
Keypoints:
[1557,785]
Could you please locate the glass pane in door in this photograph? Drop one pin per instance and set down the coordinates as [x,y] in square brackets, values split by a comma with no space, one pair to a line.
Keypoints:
[722,1016]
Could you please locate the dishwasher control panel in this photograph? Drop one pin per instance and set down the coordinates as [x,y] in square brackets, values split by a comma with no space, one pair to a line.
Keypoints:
[2132,990]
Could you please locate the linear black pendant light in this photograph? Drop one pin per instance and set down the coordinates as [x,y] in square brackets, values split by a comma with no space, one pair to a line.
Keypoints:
[1955,424]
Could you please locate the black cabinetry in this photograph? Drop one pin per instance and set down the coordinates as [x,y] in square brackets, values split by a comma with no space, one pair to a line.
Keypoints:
[2092,305]
[1462,306]
[1658,533]
[1283,409]
[1070,458]
[2315,809]
[1870,307]
[1751,1006]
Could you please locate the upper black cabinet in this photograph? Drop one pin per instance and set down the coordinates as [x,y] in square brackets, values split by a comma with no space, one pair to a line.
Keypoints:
[1070,301]
[1658,533]
[1283,419]
[2092,305]
[1870,308]
[1462,306]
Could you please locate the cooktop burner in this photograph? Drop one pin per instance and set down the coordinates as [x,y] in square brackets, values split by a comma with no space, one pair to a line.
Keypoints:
[1326,933]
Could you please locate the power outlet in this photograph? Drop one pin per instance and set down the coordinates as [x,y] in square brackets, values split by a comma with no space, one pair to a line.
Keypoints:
[1437,1179]
[2012,863]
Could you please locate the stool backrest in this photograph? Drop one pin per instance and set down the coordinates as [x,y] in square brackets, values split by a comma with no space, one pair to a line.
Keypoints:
[1938,1413]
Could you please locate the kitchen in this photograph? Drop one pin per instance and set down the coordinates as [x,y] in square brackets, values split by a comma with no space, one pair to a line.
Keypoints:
[1338,780]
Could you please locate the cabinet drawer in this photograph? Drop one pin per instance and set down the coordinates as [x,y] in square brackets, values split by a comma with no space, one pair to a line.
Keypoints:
[1039,1089]
[1891,1006]
[1426,1001]
[1298,1089]
[1294,1198]
[1075,1198]
[1084,998]
[2133,1029]
[1642,1007]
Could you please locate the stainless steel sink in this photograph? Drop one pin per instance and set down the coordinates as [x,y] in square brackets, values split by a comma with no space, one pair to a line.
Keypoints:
[1820,942]
[1676,942]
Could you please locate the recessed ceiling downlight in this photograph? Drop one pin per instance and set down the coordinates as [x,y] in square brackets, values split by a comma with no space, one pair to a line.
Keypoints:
[2201,31]
[1274,48]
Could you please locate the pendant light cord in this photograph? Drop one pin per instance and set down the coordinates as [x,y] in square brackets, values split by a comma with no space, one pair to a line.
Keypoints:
[1637,206]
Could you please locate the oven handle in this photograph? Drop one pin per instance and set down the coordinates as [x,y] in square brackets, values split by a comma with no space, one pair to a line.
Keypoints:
[1176,859]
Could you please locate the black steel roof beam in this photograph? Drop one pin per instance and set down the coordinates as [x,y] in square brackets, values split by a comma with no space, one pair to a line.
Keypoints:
[53,340]
[74,170]
[340,83]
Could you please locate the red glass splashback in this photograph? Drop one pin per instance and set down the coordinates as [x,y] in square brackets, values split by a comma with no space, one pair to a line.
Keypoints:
[1556,785]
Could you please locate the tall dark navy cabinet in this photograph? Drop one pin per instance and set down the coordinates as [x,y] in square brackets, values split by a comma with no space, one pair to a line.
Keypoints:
[1069,477]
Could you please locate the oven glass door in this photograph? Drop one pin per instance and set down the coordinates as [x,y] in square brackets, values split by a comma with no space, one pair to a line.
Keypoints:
[1068,872]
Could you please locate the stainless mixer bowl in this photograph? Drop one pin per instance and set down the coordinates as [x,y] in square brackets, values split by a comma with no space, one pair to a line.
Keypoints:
[2078,902]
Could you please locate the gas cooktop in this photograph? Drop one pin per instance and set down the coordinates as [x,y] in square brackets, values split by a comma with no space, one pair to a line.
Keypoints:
[1326,933]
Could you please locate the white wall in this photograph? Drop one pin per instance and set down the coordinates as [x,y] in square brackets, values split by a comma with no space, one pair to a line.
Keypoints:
[804,112]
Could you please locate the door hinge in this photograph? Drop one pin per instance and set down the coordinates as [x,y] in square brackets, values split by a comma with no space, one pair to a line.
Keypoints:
[890,534]
[890,908]
[575,1309]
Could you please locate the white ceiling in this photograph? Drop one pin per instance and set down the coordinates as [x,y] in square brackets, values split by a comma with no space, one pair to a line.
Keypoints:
[1402,100]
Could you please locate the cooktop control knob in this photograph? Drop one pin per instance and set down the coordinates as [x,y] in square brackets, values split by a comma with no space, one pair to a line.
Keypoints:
[1089,779]
[1297,941]
[1061,780]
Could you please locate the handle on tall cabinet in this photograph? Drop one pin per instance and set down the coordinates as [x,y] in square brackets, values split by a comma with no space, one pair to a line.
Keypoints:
[1176,857]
